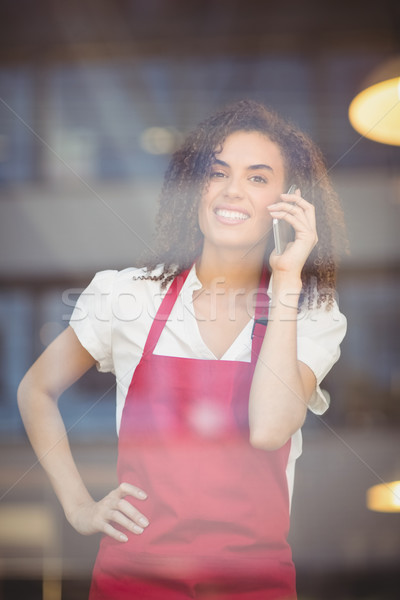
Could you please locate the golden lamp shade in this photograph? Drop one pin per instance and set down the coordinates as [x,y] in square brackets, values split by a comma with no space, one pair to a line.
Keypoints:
[375,112]
[384,497]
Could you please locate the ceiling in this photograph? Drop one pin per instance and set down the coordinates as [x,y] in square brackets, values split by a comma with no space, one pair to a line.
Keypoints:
[110,68]
[53,30]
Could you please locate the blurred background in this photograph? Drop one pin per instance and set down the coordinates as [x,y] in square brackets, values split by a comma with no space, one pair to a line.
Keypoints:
[94,97]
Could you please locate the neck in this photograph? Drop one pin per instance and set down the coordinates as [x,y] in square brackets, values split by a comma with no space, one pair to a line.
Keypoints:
[232,272]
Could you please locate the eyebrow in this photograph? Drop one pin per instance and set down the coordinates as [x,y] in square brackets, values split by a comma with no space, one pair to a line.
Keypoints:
[249,168]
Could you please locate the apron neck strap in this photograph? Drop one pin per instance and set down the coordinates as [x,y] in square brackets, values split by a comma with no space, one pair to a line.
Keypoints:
[260,317]
[164,311]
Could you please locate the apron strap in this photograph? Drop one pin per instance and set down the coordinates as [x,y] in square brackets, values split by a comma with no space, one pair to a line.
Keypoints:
[260,317]
[164,311]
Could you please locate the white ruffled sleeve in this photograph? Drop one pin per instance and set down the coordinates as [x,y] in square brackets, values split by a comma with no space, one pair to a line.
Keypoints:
[92,319]
[319,335]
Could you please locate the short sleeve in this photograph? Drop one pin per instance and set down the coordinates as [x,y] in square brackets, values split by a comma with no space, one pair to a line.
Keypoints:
[91,319]
[319,335]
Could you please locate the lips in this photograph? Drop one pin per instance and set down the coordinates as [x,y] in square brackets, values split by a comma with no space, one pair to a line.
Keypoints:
[231,215]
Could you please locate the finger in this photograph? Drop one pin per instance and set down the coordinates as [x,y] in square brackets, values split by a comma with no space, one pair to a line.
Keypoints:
[302,225]
[116,516]
[302,210]
[290,197]
[288,201]
[282,210]
[304,204]
[127,489]
[293,200]
[109,530]
[132,513]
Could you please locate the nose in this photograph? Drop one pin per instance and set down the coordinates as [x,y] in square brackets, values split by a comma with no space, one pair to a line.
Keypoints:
[233,188]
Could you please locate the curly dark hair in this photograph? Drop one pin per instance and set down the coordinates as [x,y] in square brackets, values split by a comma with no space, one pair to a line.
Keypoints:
[179,239]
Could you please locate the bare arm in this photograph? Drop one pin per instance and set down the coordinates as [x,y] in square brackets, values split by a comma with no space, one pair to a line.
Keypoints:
[282,386]
[60,365]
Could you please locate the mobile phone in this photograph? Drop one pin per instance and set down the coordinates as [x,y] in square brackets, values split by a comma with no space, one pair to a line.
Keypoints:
[283,232]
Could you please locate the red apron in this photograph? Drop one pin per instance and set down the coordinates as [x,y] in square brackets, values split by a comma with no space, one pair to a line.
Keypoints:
[218,508]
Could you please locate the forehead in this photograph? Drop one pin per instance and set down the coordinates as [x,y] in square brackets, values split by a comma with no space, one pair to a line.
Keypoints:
[252,147]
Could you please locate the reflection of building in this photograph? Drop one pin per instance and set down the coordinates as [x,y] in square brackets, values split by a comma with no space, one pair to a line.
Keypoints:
[82,131]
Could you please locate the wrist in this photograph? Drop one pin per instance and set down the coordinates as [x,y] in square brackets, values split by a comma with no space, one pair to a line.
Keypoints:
[286,283]
[286,290]
[72,510]
[73,498]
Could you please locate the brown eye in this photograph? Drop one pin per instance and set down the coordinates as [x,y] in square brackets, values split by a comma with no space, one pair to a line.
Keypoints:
[258,179]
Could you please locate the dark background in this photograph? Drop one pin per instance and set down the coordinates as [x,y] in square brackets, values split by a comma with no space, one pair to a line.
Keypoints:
[93,98]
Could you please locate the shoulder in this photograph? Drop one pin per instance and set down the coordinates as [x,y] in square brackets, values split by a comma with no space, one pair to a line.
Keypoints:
[320,331]
[132,277]
[325,317]
[111,288]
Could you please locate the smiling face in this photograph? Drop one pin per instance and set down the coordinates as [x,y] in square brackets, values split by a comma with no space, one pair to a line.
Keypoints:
[247,175]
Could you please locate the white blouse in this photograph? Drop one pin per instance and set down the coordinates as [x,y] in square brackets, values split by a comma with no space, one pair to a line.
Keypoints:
[113,316]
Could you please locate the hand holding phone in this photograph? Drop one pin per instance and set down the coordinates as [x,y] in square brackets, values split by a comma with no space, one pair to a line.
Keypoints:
[283,232]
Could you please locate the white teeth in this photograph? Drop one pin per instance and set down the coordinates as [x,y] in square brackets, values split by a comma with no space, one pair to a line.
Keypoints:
[231,214]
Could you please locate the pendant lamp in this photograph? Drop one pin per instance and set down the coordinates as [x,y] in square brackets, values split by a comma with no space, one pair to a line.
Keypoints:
[375,112]
[384,497]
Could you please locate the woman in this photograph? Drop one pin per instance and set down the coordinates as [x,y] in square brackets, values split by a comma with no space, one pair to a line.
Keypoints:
[217,357]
